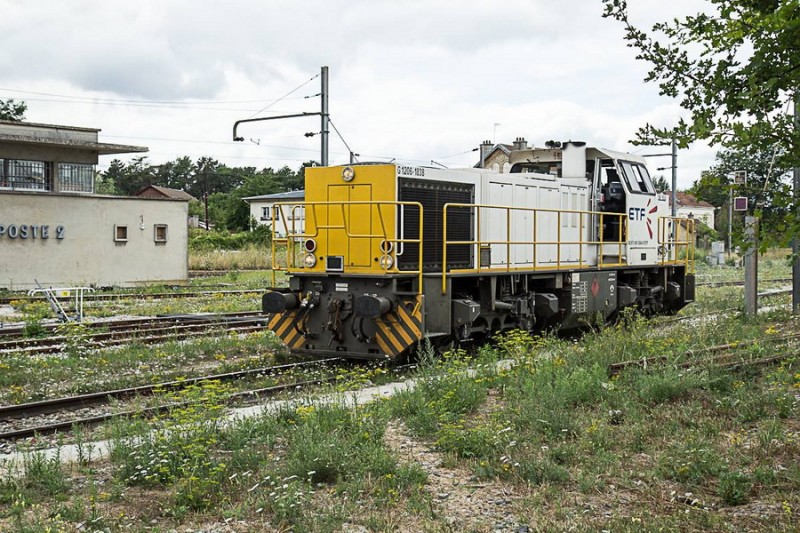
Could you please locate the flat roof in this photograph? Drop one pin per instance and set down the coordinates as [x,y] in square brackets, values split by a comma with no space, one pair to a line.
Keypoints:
[54,135]
[290,195]
[100,148]
[93,196]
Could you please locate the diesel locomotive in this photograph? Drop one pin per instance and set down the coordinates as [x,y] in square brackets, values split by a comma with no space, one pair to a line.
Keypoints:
[381,256]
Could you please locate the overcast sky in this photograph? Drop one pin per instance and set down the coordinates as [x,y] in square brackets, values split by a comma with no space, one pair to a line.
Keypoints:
[412,80]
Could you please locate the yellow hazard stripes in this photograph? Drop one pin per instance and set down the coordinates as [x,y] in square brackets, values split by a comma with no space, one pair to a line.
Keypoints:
[400,328]
[394,332]
[283,325]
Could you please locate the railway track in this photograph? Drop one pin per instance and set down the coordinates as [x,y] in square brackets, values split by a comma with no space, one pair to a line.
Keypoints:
[726,360]
[105,297]
[13,415]
[130,324]
[738,283]
[147,331]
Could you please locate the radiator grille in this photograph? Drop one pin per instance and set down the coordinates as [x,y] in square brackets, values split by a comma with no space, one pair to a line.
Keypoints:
[433,195]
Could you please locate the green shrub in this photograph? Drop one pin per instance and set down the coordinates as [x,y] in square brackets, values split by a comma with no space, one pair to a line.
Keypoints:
[180,451]
[203,241]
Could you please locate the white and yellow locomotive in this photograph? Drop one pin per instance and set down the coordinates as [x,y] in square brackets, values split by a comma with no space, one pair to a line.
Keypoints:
[390,254]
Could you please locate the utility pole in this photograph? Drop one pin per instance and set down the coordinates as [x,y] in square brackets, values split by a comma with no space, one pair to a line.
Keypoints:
[325,117]
[674,178]
[796,239]
[730,220]
[751,266]
[324,113]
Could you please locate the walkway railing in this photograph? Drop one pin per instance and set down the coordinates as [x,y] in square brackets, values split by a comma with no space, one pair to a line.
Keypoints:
[576,232]
[318,215]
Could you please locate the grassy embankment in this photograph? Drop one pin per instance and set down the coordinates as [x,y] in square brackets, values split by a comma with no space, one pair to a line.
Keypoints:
[667,447]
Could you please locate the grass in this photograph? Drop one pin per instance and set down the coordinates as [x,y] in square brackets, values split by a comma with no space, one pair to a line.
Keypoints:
[662,447]
[25,378]
[659,448]
[250,257]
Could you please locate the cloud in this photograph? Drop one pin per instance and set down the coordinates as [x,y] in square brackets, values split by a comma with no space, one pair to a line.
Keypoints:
[414,79]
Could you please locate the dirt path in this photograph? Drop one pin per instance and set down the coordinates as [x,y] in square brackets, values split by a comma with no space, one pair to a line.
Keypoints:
[465,504]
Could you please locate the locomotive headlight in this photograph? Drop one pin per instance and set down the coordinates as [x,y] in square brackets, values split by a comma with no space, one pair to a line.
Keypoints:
[310,245]
[386,262]
[386,247]
[309,260]
[348,174]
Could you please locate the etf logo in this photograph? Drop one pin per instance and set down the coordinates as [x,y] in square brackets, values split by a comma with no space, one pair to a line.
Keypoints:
[636,213]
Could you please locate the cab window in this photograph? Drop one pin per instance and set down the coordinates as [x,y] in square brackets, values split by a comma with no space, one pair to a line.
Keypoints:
[637,178]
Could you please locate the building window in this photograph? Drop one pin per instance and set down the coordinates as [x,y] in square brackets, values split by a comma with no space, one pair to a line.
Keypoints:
[74,177]
[265,213]
[160,232]
[25,175]
[121,233]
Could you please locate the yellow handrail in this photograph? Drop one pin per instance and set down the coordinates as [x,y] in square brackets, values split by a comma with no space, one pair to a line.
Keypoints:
[310,208]
[559,243]
[676,235]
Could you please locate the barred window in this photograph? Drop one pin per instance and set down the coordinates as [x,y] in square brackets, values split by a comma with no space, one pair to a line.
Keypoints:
[75,177]
[25,175]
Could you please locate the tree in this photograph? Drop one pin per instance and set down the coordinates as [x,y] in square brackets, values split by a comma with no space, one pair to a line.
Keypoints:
[12,110]
[661,184]
[735,70]
[765,183]
[131,178]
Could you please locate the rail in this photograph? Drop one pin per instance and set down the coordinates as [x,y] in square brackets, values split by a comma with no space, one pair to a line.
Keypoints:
[579,225]
[378,212]
[676,241]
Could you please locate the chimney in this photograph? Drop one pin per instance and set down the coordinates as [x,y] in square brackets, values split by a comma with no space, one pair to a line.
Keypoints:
[520,143]
[486,148]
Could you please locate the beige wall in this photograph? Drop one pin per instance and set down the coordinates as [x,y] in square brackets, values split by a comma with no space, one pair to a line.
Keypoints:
[705,214]
[87,252]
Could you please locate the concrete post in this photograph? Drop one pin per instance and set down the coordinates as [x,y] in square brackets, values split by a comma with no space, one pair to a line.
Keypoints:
[751,267]
[796,202]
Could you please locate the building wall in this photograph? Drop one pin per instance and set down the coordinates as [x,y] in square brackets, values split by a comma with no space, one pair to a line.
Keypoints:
[260,210]
[704,214]
[78,246]
[497,161]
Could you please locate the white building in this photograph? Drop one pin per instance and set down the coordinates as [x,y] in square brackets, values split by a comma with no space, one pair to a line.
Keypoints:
[55,231]
[689,206]
[262,209]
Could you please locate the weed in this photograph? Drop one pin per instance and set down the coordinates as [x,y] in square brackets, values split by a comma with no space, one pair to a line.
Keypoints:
[691,461]
[178,452]
[734,487]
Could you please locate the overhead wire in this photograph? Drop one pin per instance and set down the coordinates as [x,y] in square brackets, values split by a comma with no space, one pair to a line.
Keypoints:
[341,138]
[124,101]
[286,95]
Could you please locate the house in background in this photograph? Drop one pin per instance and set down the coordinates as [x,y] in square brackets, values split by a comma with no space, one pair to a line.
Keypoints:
[262,209]
[689,206]
[496,157]
[156,191]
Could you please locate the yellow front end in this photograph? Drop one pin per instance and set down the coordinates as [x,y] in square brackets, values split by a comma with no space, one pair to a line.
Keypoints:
[341,247]
[350,217]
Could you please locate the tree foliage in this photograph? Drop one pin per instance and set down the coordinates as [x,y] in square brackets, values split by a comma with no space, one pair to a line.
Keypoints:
[735,69]
[226,186]
[767,189]
[13,110]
